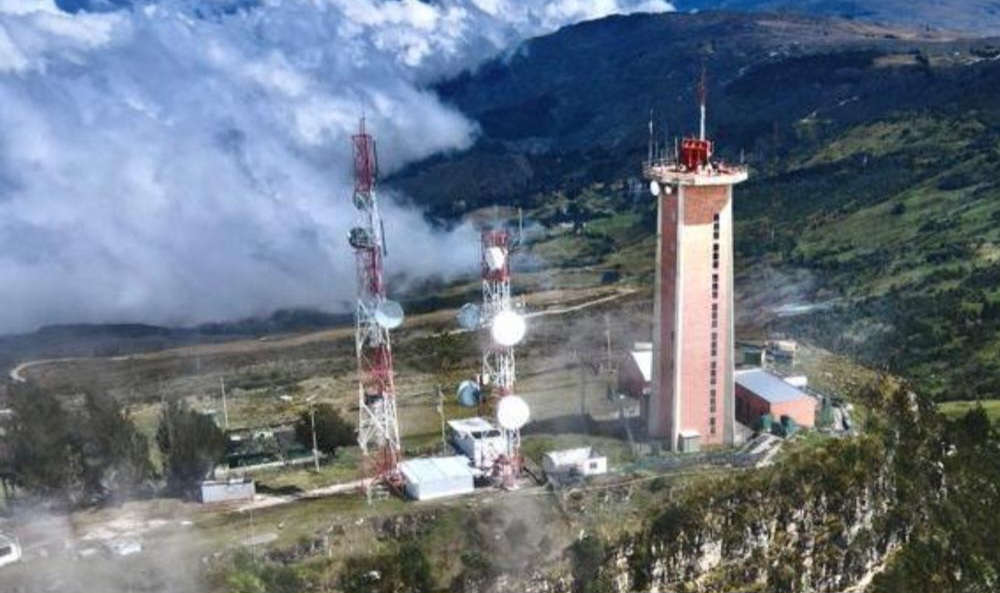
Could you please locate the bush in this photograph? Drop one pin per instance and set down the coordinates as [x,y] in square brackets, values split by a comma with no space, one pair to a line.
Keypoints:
[404,570]
[587,556]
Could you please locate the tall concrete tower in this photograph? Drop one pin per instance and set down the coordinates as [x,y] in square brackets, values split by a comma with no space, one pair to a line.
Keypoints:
[692,403]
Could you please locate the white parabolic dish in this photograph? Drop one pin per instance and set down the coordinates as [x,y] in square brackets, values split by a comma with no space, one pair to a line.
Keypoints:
[495,258]
[512,412]
[654,187]
[468,316]
[389,315]
[508,328]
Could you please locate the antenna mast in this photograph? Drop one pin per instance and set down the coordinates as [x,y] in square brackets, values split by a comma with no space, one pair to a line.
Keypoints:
[649,157]
[499,369]
[702,95]
[378,428]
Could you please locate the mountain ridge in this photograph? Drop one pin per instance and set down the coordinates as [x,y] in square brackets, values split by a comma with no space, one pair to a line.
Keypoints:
[874,153]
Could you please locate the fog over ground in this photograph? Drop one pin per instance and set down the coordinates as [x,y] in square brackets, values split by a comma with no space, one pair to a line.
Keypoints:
[182,161]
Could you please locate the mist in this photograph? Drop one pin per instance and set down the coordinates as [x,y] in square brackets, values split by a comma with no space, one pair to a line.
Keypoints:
[184,161]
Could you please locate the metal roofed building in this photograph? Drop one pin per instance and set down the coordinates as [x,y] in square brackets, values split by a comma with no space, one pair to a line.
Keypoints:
[759,392]
[437,477]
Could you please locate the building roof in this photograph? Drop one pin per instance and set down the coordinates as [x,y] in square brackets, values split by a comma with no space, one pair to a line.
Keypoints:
[570,456]
[768,386]
[644,360]
[429,469]
[474,426]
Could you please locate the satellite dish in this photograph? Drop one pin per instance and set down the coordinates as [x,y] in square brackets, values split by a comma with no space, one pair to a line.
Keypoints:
[389,314]
[654,187]
[512,412]
[508,328]
[468,394]
[468,316]
[496,257]
[359,238]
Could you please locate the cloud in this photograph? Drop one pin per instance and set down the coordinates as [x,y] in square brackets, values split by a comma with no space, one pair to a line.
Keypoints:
[183,161]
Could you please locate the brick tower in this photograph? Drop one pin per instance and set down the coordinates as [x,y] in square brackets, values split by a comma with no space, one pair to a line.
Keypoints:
[692,402]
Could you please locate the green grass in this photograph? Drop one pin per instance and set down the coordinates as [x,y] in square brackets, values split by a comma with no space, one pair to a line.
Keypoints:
[345,467]
[957,409]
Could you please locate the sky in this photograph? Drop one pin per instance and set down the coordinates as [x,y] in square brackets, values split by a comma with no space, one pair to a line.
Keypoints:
[181,161]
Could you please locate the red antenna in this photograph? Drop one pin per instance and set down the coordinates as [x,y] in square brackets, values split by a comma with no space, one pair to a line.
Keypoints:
[378,427]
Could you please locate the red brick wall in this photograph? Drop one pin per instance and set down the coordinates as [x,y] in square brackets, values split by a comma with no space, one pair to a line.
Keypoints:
[660,411]
[693,261]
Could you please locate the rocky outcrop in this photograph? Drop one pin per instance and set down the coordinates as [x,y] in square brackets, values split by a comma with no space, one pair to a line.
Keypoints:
[817,523]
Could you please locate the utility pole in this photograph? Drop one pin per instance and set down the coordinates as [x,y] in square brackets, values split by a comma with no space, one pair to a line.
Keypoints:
[607,339]
[610,372]
[440,411]
[225,404]
[312,424]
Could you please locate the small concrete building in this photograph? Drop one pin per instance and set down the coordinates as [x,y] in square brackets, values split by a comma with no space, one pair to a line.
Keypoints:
[689,441]
[635,377]
[582,461]
[233,490]
[783,350]
[478,439]
[437,477]
[10,550]
[759,392]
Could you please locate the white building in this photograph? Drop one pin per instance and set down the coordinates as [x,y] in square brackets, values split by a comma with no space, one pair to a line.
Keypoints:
[570,463]
[478,439]
[233,490]
[10,550]
[437,477]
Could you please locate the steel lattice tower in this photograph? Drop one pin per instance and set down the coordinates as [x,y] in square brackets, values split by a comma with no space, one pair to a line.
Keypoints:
[498,361]
[499,366]
[378,428]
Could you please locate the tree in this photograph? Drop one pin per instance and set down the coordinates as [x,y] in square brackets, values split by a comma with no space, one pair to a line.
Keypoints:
[45,458]
[116,454]
[332,431]
[71,452]
[191,445]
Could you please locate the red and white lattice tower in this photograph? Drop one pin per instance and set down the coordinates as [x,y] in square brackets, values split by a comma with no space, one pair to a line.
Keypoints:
[499,367]
[378,428]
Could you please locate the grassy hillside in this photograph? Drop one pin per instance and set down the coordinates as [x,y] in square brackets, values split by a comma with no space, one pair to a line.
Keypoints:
[898,217]
[874,154]
[982,16]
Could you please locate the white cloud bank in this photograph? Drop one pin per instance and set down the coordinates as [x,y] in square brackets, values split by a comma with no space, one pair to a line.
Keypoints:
[184,161]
